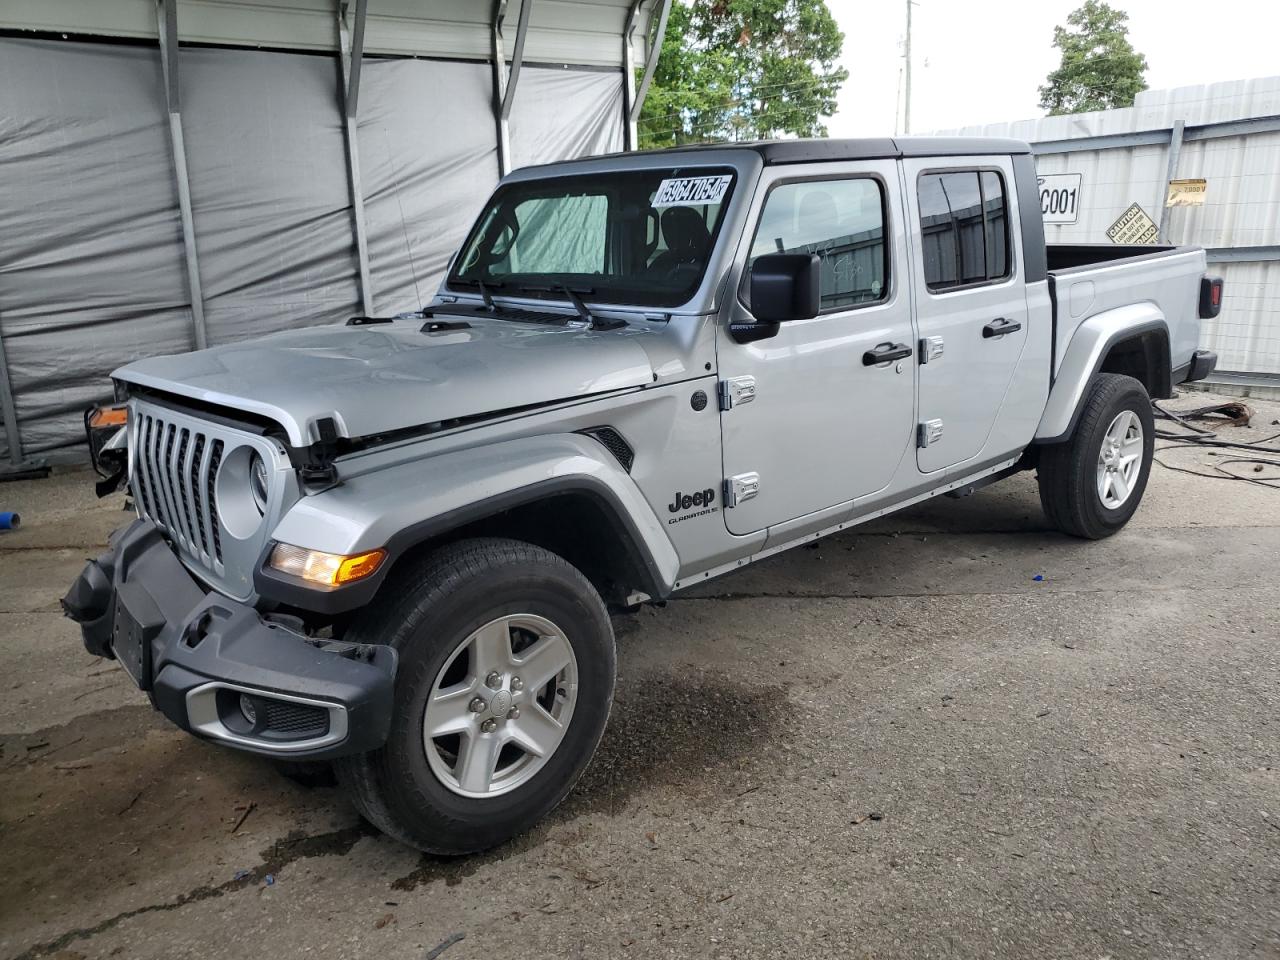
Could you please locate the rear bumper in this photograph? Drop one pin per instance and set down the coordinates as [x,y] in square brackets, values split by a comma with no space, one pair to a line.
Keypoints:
[1203,363]
[216,668]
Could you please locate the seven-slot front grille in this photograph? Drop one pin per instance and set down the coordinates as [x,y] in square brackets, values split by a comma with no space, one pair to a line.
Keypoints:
[174,470]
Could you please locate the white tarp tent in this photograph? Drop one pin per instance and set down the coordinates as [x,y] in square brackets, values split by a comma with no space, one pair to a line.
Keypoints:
[256,176]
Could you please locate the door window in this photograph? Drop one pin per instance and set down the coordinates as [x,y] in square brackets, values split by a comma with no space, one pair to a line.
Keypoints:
[964,228]
[842,221]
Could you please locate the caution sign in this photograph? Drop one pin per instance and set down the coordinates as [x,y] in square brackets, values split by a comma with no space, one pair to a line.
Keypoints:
[1133,226]
[1186,193]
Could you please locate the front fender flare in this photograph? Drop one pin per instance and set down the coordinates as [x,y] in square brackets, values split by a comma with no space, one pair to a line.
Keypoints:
[1083,358]
[404,505]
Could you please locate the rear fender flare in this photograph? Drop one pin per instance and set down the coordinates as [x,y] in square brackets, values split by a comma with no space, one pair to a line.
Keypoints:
[1084,357]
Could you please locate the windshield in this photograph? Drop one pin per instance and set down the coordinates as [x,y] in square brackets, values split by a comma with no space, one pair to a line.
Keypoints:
[632,237]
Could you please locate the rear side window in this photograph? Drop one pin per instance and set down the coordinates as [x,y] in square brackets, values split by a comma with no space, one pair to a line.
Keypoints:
[964,226]
[842,221]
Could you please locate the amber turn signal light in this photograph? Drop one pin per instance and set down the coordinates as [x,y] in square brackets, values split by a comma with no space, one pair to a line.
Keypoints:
[112,416]
[324,570]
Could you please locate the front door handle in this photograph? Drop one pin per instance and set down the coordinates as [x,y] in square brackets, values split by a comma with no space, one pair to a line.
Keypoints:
[999,327]
[885,353]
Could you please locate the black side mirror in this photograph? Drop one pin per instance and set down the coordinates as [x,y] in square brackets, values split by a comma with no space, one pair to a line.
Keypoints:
[785,286]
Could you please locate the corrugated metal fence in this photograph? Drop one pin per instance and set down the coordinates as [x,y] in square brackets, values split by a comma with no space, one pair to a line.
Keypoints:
[1227,134]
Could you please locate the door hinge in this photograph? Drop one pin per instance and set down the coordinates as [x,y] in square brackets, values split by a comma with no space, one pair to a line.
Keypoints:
[739,489]
[929,432]
[736,391]
[931,348]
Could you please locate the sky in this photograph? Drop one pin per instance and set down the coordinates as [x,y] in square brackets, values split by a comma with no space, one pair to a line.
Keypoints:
[981,61]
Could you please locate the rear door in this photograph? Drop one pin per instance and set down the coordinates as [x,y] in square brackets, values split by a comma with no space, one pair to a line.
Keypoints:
[971,305]
[825,422]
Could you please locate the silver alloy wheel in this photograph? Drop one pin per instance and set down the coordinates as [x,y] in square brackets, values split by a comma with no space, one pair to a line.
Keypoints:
[1120,459]
[500,705]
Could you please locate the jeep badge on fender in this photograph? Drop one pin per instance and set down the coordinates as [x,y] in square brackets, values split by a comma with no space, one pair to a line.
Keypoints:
[687,501]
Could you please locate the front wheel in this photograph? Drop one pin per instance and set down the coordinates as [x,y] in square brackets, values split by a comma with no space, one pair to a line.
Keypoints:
[1092,484]
[506,678]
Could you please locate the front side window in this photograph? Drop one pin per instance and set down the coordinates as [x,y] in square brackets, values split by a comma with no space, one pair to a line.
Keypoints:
[630,237]
[842,221]
[964,228]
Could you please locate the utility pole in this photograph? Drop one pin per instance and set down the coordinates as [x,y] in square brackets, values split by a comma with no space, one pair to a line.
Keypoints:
[906,54]
[897,107]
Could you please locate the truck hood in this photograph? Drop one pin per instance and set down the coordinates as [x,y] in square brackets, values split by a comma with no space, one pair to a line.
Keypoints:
[382,377]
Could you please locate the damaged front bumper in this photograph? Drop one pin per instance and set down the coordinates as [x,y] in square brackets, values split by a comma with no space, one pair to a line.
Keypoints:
[216,668]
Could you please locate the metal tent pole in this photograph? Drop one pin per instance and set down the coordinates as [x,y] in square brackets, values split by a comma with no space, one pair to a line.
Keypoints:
[351,56]
[500,86]
[504,84]
[630,138]
[167,25]
[18,467]
[651,64]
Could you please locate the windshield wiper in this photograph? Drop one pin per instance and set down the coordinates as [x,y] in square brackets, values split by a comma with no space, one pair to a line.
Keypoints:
[484,287]
[596,323]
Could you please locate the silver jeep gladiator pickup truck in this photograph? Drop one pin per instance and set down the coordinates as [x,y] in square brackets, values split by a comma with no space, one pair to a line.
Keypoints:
[394,544]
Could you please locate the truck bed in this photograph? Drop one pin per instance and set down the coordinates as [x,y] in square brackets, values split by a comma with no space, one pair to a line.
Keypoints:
[1087,279]
[1065,257]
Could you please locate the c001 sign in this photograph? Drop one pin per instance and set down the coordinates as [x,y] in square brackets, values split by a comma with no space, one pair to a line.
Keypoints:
[1059,197]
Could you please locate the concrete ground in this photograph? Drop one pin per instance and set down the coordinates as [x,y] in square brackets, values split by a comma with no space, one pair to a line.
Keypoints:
[897,743]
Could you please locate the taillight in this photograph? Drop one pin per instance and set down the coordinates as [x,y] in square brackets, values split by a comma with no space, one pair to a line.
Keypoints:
[1210,297]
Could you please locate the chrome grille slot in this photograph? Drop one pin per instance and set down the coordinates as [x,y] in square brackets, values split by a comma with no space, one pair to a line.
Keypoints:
[182,475]
[211,501]
[192,475]
[141,490]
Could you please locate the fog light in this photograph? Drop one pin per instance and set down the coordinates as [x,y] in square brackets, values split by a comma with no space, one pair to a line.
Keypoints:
[248,709]
[324,569]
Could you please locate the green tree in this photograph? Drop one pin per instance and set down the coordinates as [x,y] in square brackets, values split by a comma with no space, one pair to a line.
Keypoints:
[743,70]
[1099,69]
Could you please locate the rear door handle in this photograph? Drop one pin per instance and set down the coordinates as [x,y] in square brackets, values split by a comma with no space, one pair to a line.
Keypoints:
[886,353]
[999,327]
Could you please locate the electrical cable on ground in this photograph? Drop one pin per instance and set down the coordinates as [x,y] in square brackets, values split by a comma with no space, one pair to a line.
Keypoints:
[1204,438]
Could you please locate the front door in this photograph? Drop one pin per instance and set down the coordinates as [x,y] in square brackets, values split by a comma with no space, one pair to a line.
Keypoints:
[971,305]
[826,421]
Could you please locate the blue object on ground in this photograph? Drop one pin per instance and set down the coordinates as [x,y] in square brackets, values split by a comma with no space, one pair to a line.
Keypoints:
[1038,577]
[9,521]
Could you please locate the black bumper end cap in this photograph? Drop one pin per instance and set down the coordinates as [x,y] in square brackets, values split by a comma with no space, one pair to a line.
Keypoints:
[1203,363]
[90,594]
[90,603]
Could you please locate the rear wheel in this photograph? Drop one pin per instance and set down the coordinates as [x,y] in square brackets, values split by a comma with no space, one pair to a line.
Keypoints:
[504,687]
[1092,484]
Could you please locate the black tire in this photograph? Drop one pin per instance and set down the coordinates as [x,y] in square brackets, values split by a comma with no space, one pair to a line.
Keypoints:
[1068,471]
[425,611]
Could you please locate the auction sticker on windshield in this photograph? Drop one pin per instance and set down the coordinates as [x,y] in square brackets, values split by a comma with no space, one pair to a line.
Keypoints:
[679,191]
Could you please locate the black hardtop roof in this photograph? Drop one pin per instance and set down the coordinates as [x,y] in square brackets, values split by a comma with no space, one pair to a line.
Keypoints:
[870,148]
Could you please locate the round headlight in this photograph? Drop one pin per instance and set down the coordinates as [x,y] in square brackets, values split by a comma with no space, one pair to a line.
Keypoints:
[258,482]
